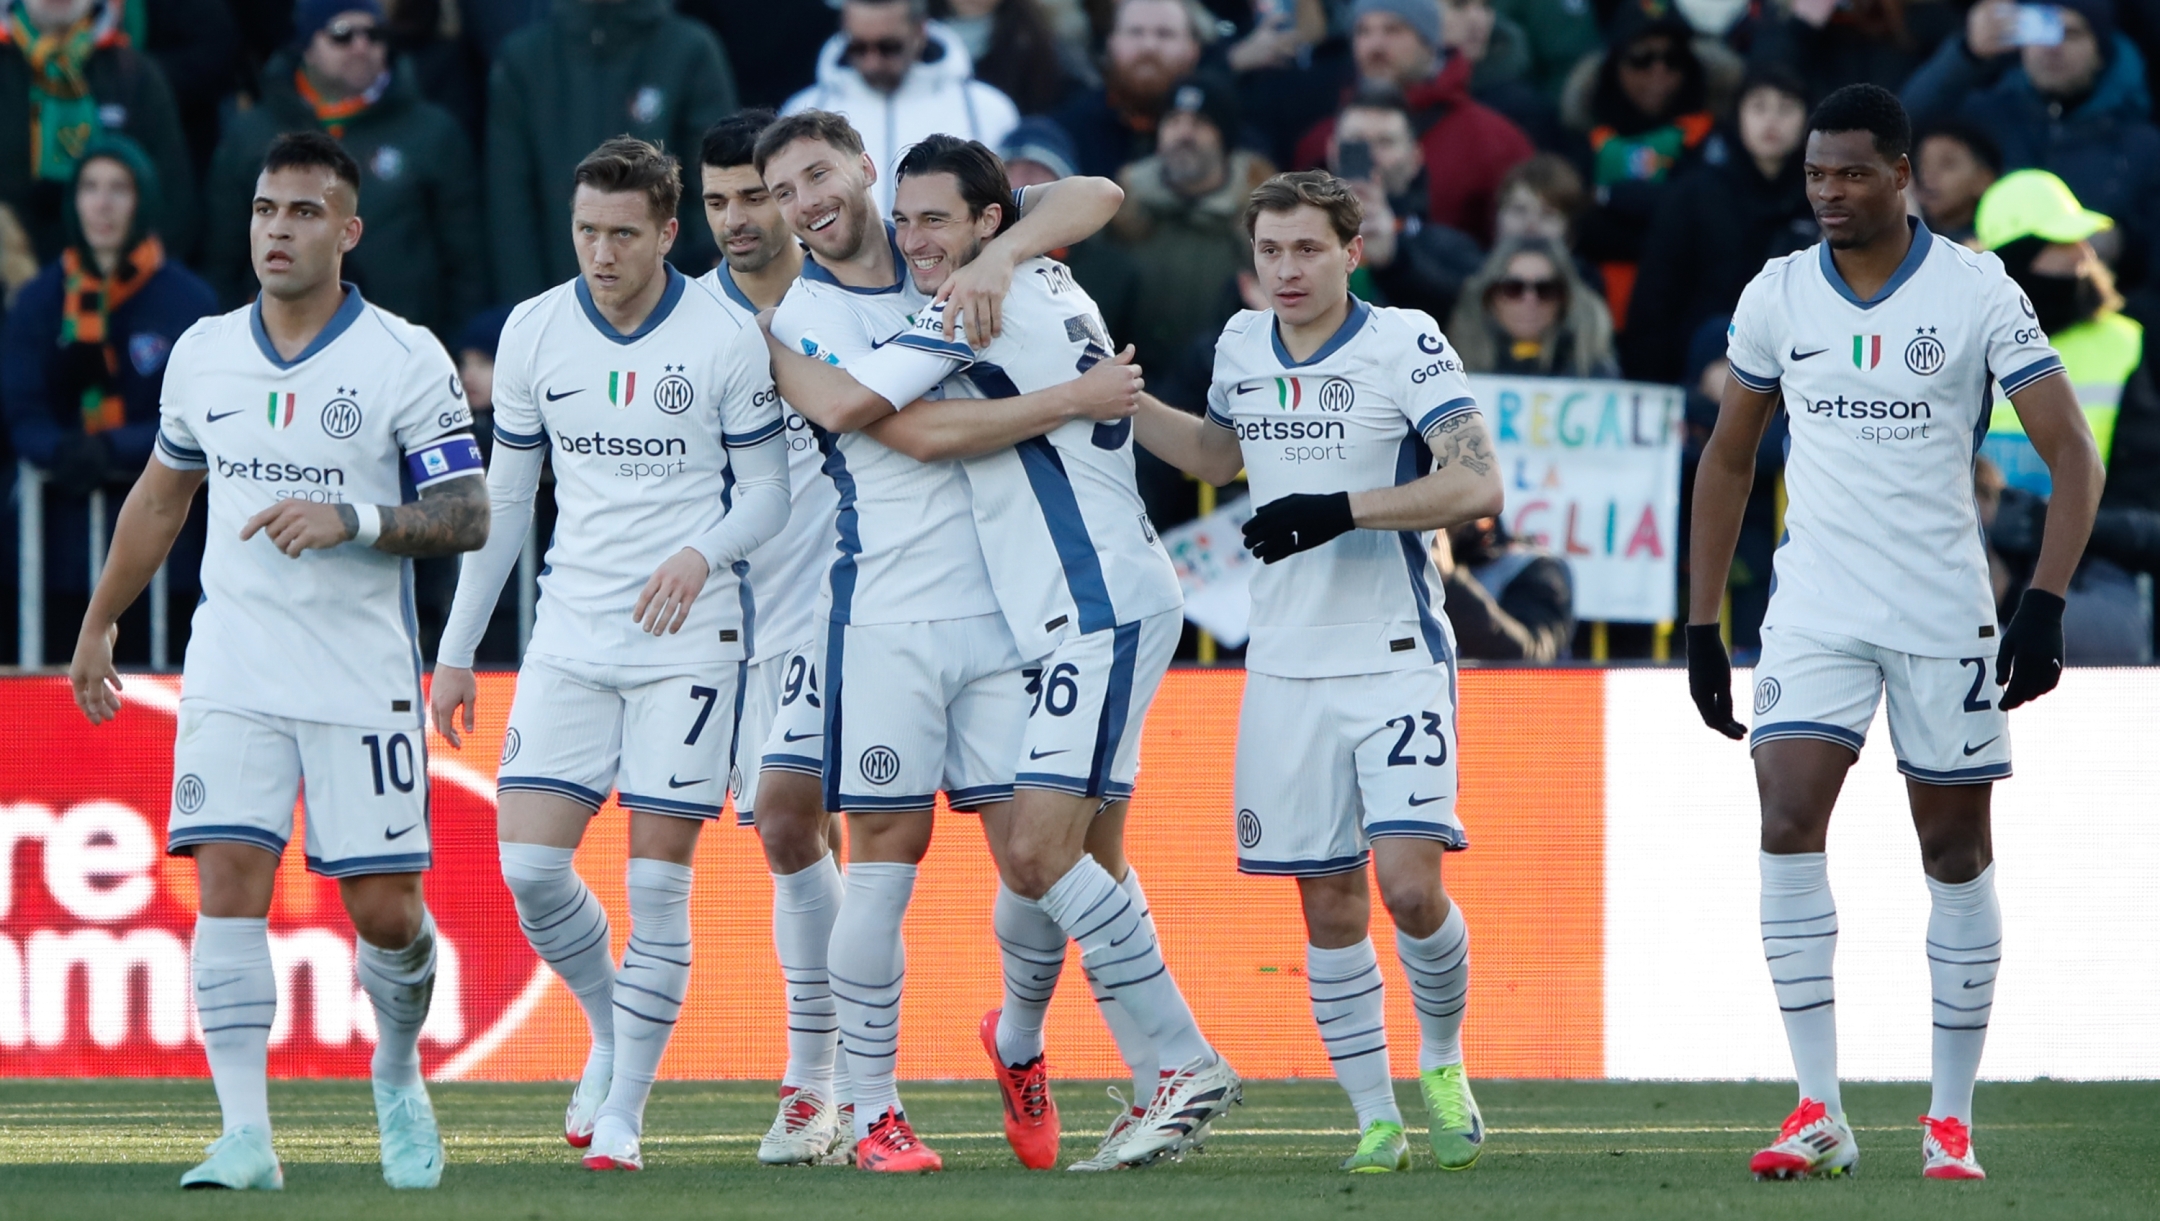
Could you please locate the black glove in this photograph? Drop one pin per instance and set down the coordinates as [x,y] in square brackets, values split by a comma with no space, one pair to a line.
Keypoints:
[1709,679]
[1297,523]
[2030,662]
[80,464]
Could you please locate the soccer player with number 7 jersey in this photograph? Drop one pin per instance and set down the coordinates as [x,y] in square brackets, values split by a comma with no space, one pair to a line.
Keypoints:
[1359,435]
[670,467]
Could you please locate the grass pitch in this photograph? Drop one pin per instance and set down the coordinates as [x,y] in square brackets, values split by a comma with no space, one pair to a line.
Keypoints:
[114,1150]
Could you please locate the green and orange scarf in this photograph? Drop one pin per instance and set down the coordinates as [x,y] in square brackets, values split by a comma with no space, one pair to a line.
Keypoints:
[86,306]
[63,115]
[335,115]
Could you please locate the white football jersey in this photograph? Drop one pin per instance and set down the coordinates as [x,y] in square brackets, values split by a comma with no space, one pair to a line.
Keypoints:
[1888,402]
[1062,526]
[370,413]
[1352,417]
[786,575]
[638,426]
[907,550]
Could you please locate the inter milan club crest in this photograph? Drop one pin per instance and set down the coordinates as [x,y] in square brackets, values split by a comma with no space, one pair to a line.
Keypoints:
[1337,395]
[341,416]
[1924,353]
[673,393]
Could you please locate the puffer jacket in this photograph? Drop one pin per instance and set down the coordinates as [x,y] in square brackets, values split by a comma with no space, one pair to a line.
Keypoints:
[1187,249]
[939,94]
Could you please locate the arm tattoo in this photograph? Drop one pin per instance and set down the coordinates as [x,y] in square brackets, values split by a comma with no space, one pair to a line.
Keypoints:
[1461,438]
[349,518]
[449,517]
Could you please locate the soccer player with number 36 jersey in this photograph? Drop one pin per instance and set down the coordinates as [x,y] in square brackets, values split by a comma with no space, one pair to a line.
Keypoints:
[308,414]
[1884,343]
[1359,436]
[657,403]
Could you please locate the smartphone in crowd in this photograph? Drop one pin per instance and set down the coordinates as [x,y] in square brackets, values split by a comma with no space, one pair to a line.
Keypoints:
[2038,25]
[1353,161]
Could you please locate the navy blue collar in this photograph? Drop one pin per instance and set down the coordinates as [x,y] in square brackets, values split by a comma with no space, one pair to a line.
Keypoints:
[1351,324]
[348,311]
[814,270]
[1922,240]
[734,292]
[668,297]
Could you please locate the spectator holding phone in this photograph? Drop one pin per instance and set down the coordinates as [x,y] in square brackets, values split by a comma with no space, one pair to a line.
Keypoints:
[1410,262]
[2060,89]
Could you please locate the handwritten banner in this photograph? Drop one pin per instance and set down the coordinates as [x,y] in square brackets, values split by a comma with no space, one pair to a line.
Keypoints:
[1592,470]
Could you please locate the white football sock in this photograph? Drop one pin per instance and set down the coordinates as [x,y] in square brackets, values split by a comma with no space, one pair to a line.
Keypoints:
[1439,971]
[1799,936]
[1033,949]
[401,983]
[804,905]
[235,1000]
[1134,1046]
[650,985]
[1964,948]
[1351,1011]
[568,929]
[1120,948]
[868,965]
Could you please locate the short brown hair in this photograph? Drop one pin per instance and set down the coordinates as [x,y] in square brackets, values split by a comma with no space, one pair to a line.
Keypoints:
[1308,189]
[1549,177]
[821,125]
[627,163]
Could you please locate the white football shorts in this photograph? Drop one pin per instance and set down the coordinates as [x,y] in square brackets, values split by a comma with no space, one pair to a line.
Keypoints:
[660,736]
[237,774]
[1088,699]
[912,708]
[766,682]
[1327,765]
[1945,722]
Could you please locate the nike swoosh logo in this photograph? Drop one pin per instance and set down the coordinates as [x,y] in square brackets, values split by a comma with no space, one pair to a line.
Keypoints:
[552,396]
[1977,983]
[798,737]
[1416,801]
[1044,754]
[673,783]
[1797,354]
[223,983]
[389,834]
[1970,751]
[215,416]
[1242,388]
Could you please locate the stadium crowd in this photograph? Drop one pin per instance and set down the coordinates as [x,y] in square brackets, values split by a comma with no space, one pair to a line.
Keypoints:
[1574,188]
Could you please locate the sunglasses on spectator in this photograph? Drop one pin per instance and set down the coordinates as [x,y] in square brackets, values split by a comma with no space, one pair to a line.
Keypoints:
[887,48]
[1515,290]
[343,35]
[1650,57]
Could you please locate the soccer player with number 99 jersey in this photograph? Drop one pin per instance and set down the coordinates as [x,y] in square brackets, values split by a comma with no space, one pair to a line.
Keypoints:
[1359,436]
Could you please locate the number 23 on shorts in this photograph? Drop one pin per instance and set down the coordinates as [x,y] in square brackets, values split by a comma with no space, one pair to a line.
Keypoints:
[1415,732]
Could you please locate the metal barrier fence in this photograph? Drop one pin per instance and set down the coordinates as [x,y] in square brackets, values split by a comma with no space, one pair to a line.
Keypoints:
[30,575]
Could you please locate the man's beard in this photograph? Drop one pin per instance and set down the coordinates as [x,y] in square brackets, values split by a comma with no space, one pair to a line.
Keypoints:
[758,259]
[1143,85]
[853,223]
[1187,169]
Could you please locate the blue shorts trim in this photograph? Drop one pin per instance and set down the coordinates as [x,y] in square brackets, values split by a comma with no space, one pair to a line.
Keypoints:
[1303,869]
[188,837]
[661,805]
[793,763]
[1819,730]
[1455,840]
[590,798]
[1076,785]
[1959,775]
[358,866]
[980,795]
[851,803]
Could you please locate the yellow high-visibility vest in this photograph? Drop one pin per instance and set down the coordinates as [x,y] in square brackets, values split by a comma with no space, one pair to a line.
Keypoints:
[2099,355]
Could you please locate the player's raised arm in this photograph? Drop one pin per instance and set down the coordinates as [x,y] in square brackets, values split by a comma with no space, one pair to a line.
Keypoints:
[155,510]
[2030,661]
[1722,482]
[1052,216]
